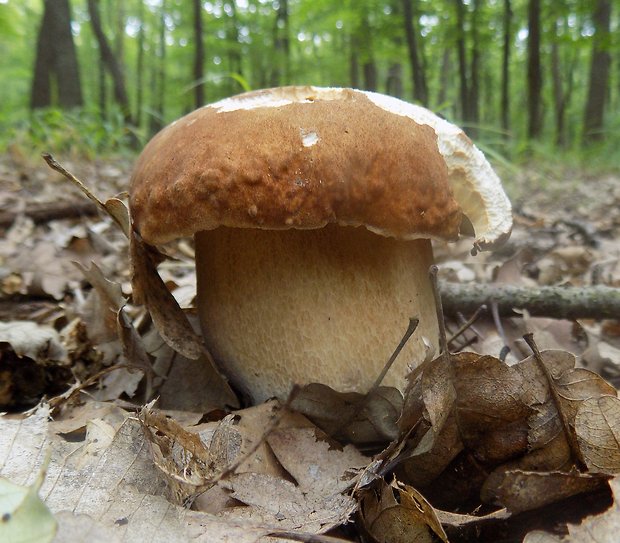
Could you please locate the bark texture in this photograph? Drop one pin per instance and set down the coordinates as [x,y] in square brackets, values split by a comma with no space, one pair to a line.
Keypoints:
[111,62]
[199,55]
[598,302]
[534,71]
[420,91]
[599,72]
[56,62]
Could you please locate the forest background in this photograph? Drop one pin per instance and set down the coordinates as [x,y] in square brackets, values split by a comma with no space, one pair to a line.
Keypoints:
[525,78]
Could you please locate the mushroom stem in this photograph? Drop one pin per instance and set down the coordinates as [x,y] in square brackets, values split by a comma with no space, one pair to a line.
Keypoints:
[287,307]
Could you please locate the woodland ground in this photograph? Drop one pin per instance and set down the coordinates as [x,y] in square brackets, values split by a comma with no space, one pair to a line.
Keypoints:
[285,481]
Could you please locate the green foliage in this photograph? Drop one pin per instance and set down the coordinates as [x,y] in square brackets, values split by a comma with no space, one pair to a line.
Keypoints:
[328,43]
[76,132]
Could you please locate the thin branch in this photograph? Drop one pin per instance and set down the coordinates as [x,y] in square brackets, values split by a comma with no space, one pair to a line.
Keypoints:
[597,302]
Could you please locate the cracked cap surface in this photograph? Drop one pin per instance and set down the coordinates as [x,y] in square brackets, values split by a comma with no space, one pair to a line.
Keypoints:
[304,157]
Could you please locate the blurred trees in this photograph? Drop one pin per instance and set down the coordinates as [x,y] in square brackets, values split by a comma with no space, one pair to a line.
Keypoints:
[56,77]
[598,86]
[507,70]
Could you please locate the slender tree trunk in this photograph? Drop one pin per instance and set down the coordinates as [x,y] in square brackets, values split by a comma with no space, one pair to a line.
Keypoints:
[140,66]
[235,60]
[119,37]
[558,94]
[420,91]
[159,76]
[599,73]
[394,83]
[505,100]
[354,65]
[56,60]
[444,76]
[462,58]
[111,62]
[199,55]
[282,45]
[370,75]
[534,72]
[102,90]
[473,96]
[369,67]
[562,81]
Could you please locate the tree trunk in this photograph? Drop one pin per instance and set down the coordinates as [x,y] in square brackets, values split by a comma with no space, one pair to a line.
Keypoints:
[534,72]
[599,73]
[394,84]
[56,60]
[282,45]
[462,58]
[102,90]
[420,91]
[158,76]
[505,100]
[235,60]
[473,95]
[444,76]
[199,55]
[111,62]
[370,75]
[140,66]
[354,65]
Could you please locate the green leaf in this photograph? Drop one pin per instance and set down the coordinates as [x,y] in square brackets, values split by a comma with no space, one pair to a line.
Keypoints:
[24,518]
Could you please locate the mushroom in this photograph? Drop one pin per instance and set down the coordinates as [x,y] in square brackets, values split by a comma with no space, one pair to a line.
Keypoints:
[313,211]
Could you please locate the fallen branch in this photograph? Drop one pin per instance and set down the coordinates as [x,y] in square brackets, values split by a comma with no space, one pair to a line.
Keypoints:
[41,213]
[598,302]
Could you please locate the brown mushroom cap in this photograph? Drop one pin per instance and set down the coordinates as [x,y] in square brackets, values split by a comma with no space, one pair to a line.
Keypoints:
[303,157]
[319,157]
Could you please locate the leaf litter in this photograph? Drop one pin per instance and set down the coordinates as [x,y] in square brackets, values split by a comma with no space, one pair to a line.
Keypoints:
[476,447]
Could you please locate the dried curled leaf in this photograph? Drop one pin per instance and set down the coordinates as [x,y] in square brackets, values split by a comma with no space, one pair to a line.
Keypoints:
[148,288]
[515,433]
[351,417]
[597,425]
[398,513]
[187,465]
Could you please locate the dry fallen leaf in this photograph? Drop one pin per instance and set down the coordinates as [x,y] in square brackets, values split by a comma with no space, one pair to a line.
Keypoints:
[397,513]
[319,498]
[597,425]
[351,417]
[603,528]
[186,464]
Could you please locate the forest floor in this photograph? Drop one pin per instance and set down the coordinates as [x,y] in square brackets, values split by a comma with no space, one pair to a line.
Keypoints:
[73,344]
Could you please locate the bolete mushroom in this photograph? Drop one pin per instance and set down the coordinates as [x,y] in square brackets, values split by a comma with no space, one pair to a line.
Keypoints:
[312,211]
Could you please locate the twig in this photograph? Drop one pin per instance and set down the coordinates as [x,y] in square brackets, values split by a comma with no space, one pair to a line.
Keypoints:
[497,320]
[443,339]
[413,324]
[597,302]
[467,324]
[305,537]
[42,213]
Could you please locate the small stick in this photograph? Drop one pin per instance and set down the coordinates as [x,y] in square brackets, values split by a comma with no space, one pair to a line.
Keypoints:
[467,324]
[443,341]
[500,330]
[413,324]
